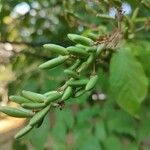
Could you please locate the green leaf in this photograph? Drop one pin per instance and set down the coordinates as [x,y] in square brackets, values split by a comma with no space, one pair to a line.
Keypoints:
[128,82]
[100,131]
[88,142]
[144,130]
[122,123]
[144,53]
[58,145]
[131,146]
[59,131]
[68,121]
[112,143]
[84,117]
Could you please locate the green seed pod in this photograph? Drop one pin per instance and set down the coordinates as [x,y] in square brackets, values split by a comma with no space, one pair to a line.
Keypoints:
[81,46]
[54,62]
[80,39]
[91,49]
[23,131]
[35,97]
[67,94]
[49,93]
[19,99]
[79,92]
[39,123]
[75,65]
[141,19]
[56,49]
[16,112]
[39,116]
[74,15]
[83,66]
[53,97]
[145,4]
[90,59]
[71,73]
[91,83]
[104,16]
[77,51]
[135,13]
[77,83]
[100,49]
[92,36]
[33,105]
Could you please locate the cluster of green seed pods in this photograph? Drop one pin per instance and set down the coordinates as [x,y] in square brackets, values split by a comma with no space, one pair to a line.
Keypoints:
[82,55]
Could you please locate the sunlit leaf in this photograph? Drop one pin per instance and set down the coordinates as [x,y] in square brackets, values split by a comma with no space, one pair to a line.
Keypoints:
[128,82]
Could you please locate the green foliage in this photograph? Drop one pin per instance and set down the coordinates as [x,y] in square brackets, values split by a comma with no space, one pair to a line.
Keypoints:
[125,124]
[114,142]
[128,81]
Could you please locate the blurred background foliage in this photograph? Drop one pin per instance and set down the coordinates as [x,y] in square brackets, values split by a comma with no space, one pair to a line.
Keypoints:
[94,121]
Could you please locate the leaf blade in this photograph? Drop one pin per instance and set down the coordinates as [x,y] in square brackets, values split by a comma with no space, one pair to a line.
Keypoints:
[128,82]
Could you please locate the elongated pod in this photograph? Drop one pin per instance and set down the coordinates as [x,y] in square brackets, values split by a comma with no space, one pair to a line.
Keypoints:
[50,93]
[35,97]
[67,94]
[23,131]
[53,97]
[77,51]
[33,105]
[83,66]
[19,99]
[82,46]
[90,59]
[135,13]
[39,116]
[100,49]
[76,64]
[77,83]
[54,62]
[92,82]
[16,112]
[71,73]
[39,123]
[104,16]
[81,39]
[91,49]
[79,92]
[92,35]
[56,49]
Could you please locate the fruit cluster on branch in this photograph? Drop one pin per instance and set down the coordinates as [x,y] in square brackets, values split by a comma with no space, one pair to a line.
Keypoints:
[84,55]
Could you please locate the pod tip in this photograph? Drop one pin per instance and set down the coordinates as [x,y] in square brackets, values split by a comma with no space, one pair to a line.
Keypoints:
[11,97]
